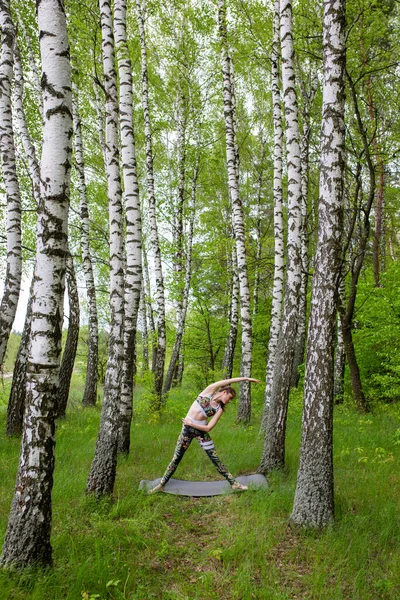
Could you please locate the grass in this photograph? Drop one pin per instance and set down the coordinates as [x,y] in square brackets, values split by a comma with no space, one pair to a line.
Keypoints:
[139,547]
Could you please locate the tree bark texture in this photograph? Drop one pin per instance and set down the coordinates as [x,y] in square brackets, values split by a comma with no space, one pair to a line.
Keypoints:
[314,502]
[155,245]
[143,320]
[227,362]
[103,470]
[277,289]
[90,392]
[244,404]
[12,284]
[27,540]
[71,343]
[133,271]
[273,456]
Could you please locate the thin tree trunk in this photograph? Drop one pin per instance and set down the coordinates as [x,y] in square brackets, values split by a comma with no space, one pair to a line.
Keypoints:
[16,400]
[159,281]
[313,502]
[274,447]
[71,344]
[103,470]
[227,361]
[301,336]
[260,183]
[149,310]
[133,274]
[90,392]
[244,404]
[12,284]
[145,346]
[277,290]
[27,540]
[340,356]
[185,299]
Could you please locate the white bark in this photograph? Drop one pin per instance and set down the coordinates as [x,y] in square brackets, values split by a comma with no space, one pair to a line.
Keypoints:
[12,284]
[159,281]
[27,539]
[90,392]
[277,289]
[102,473]
[133,274]
[313,503]
[244,404]
[233,318]
[274,446]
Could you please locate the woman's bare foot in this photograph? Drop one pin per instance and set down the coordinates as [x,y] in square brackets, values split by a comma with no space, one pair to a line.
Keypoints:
[158,488]
[238,487]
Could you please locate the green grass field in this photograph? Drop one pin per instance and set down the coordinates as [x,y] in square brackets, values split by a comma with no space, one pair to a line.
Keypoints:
[240,546]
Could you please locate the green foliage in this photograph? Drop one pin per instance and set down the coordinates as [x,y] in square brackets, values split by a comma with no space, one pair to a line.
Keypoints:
[139,547]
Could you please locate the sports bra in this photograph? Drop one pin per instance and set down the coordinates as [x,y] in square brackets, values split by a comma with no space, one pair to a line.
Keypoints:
[206,406]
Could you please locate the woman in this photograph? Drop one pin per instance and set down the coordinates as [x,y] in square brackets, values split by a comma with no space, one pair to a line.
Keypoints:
[210,403]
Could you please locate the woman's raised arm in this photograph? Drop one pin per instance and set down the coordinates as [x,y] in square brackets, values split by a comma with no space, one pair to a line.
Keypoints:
[213,387]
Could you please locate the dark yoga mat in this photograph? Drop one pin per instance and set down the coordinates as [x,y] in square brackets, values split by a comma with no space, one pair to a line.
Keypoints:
[204,488]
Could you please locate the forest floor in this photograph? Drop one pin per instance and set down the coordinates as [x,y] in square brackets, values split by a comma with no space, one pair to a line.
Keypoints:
[138,547]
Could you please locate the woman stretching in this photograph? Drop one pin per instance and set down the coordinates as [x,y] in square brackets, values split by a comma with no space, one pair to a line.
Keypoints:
[210,403]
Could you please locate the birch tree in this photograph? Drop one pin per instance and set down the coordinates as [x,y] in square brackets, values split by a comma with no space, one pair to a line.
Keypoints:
[90,392]
[273,456]
[313,503]
[133,273]
[12,284]
[244,405]
[155,245]
[277,289]
[27,539]
[102,473]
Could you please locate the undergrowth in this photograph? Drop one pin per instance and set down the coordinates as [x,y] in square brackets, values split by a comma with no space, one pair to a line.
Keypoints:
[139,547]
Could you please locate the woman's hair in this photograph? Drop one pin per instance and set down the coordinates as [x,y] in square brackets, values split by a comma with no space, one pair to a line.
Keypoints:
[230,390]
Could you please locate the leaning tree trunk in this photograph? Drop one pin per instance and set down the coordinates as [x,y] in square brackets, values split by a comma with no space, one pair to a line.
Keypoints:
[244,405]
[277,290]
[133,274]
[313,502]
[71,344]
[103,470]
[274,447]
[185,299]
[145,343]
[159,281]
[27,540]
[90,392]
[12,284]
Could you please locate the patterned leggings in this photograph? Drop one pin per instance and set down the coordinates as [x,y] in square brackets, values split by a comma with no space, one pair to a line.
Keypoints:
[184,440]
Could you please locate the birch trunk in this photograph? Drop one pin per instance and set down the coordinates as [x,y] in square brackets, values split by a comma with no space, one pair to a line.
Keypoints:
[71,343]
[298,359]
[314,502]
[176,351]
[149,311]
[227,362]
[90,392]
[244,404]
[274,447]
[161,331]
[133,274]
[12,284]
[277,290]
[27,540]
[260,183]
[16,400]
[102,473]
[145,343]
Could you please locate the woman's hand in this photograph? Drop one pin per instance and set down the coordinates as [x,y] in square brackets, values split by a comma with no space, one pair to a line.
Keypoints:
[187,421]
[252,380]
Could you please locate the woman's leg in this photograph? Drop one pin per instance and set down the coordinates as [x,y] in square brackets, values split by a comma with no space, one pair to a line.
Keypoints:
[183,443]
[208,446]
